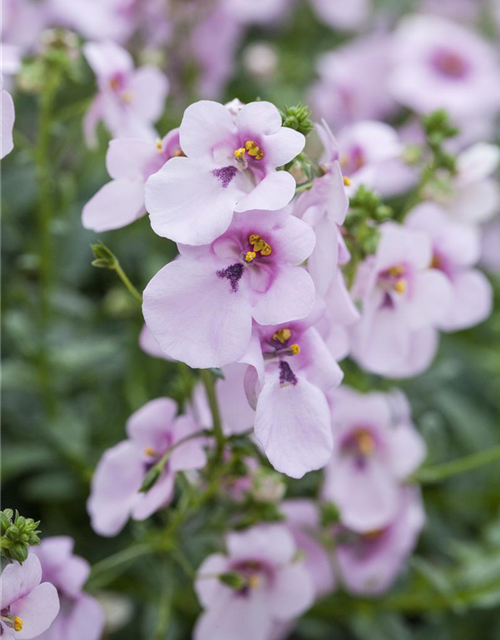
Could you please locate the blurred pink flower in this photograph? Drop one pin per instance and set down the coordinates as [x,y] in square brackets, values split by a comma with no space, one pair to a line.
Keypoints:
[276,586]
[27,607]
[200,307]
[129,162]
[346,16]
[8,117]
[440,64]
[129,100]
[456,249]
[152,431]
[81,616]
[373,452]
[229,167]
[403,300]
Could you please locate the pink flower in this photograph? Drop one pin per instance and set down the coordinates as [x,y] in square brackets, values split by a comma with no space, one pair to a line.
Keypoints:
[27,607]
[229,167]
[456,248]
[474,196]
[199,307]
[129,100]
[375,448]
[369,563]
[324,207]
[291,369]
[303,520]
[81,616]
[276,586]
[440,64]
[346,16]
[152,431]
[96,19]
[403,300]
[130,162]
[8,117]
[353,82]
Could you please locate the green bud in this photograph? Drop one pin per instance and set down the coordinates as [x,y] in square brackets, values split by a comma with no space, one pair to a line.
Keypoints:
[329,514]
[234,580]
[104,258]
[151,479]
[19,552]
[5,520]
[18,535]
[298,118]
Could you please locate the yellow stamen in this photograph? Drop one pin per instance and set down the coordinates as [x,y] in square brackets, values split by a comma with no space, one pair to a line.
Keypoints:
[159,145]
[282,335]
[254,150]
[373,535]
[396,271]
[249,256]
[435,262]
[260,245]
[18,624]
[127,97]
[114,83]
[178,153]
[347,181]
[149,451]
[239,153]
[295,349]
[400,286]
[253,581]
[365,442]
[266,250]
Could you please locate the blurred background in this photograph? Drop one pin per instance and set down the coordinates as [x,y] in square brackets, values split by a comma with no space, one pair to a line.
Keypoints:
[72,368]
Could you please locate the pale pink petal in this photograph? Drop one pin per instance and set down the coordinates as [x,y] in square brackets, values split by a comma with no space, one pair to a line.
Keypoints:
[91,120]
[149,345]
[8,117]
[471,303]
[160,494]
[272,542]
[195,316]
[149,88]
[282,147]
[107,58]
[233,616]
[191,454]
[208,587]
[407,450]
[258,117]
[290,297]
[150,425]
[293,425]
[292,593]
[237,415]
[430,299]
[205,126]
[117,204]
[399,245]
[323,262]
[86,620]
[188,203]
[11,583]
[274,192]
[128,158]
[37,610]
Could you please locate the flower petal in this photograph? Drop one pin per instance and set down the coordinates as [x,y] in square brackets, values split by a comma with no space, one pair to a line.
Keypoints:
[115,205]
[37,610]
[274,192]
[205,126]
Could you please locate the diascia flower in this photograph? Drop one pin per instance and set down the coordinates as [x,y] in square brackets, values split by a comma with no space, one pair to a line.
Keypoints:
[456,248]
[199,307]
[230,166]
[403,300]
[291,369]
[369,562]
[153,430]
[81,616]
[129,162]
[27,607]
[375,448]
[275,586]
[8,117]
[129,100]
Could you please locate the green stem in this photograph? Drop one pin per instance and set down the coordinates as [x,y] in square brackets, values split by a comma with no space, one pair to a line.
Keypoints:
[208,382]
[105,571]
[440,472]
[124,278]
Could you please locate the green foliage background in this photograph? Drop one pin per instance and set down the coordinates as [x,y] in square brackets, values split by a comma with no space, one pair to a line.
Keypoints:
[70,383]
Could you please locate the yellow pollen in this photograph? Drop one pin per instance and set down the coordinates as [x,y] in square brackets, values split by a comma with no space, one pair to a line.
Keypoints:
[260,245]
[253,581]
[373,535]
[396,271]
[127,97]
[114,83]
[435,262]
[347,181]
[18,624]
[254,150]
[249,256]
[149,451]
[400,286]
[159,145]
[295,349]
[239,153]
[365,442]
[282,335]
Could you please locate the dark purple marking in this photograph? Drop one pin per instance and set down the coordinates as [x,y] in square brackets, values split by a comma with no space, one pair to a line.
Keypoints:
[233,274]
[225,175]
[287,376]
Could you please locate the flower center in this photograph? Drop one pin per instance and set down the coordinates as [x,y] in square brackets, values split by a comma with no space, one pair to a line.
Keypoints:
[13,622]
[364,442]
[394,278]
[450,64]
[251,149]
[258,246]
